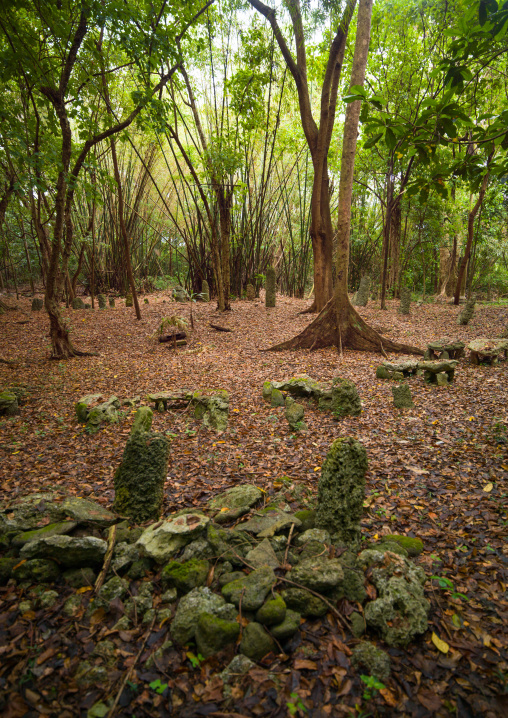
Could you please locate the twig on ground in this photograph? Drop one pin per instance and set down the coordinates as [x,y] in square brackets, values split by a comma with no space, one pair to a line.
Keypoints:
[107,558]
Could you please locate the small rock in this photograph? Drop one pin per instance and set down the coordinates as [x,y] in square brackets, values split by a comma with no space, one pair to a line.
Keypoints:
[376,661]
[67,550]
[304,602]
[312,535]
[48,599]
[256,642]
[251,590]
[289,626]
[262,555]
[116,587]
[320,574]
[272,612]
[169,596]
[235,502]
[25,606]
[72,605]
[358,624]
[212,634]
[294,414]
[277,398]
[185,576]
[402,396]
[80,577]
[414,546]
[162,541]
[37,570]
[239,666]
[58,529]
[199,600]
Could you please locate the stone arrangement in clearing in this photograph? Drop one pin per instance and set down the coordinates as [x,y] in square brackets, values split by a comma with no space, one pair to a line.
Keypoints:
[434,372]
[445,349]
[487,351]
[269,573]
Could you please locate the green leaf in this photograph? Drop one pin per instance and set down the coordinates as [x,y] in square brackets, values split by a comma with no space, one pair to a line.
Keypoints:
[372,141]
[390,138]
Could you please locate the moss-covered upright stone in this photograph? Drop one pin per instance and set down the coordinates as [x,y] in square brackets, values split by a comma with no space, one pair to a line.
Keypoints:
[77,303]
[466,314]
[414,546]
[102,301]
[294,414]
[358,624]
[212,633]
[267,391]
[402,398]
[128,300]
[250,293]
[272,611]
[205,291]
[142,420]
[36,570]
[139,480]
[361,298]
[256,642]
[375,660]
[185,576]
[341,490]
[84,405]
[382,372]
[405,300]
[345,398]
[37,304]
[304,602]
[8,404]
[270,287]
[112,302]
[251,590]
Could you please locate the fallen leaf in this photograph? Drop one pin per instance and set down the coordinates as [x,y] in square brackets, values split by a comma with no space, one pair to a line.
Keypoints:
[440,644]
[488,487]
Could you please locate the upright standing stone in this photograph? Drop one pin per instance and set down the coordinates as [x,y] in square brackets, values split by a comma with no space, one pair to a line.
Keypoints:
[250,292]
[405,300]
[78,303]
[142,420]
[139,480]
[467,313]
[112,302]
[345,398]
[205,291]
[128,300]
[402,396]
[341,490]
[362,295]
[37,304]
[102,301]
[8,404]
[375,292]
[270,287]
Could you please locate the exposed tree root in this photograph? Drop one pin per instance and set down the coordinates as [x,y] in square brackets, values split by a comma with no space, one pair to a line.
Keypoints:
[310,310]
[340,325]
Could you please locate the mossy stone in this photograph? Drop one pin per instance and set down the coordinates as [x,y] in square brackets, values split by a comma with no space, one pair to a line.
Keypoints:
[402,398]
[376,661]
[37,570]
[6,566]
[392,546]
[270,282]
[212,633]
[267,390]
[139,569]
[413,546]
[277,398]
[80,577]
[185,576]
[382,372]
[358,625]
[289,626]
[341,490]
[139,480]
[304,602]
[272,611]
[57,529]
[256,642]
[345,398]
[307,518]
[251,590]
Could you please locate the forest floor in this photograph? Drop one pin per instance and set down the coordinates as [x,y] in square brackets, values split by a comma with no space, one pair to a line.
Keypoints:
[438,471]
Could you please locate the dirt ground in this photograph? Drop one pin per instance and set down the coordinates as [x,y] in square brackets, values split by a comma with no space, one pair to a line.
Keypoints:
[438,471]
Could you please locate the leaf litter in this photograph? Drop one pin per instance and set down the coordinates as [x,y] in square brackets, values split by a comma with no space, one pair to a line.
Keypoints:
[438,472]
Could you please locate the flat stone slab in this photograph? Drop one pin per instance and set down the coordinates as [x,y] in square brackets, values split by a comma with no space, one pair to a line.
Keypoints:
[250,590]
[319,573]
[269,522]
[484,349]
[432,370]
[234,502]
[453,349]
[61,528]
[162,540]
[67,550]
[397,370]
[87,512]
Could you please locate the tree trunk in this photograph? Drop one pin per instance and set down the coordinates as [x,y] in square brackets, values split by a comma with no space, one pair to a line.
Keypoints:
[470,234]
[339,323]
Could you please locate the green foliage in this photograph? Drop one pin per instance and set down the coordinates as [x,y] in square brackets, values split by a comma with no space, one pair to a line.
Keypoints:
[372,686]
[157,686]
[295,705]
[448,585]
[173,321]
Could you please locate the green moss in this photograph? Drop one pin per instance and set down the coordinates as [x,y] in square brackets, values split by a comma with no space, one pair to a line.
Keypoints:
[414,546]
[213,633]
[185,576]
[341,490]
[6,566]
[307,517]
[305,603]
[57,529]
[272,612]
[376,661]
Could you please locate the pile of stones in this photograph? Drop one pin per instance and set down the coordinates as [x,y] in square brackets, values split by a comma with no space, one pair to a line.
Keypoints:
[93,410]
[341,398]
[252,584]
[434,372]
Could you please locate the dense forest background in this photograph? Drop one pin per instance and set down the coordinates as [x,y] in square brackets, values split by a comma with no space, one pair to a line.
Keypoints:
[143,146]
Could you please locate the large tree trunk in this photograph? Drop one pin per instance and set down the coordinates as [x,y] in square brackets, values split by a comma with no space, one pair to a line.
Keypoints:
[339,323]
